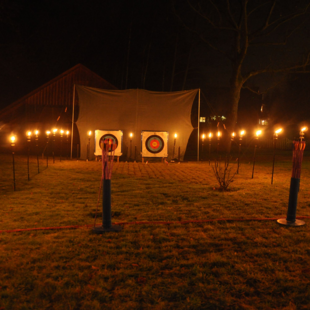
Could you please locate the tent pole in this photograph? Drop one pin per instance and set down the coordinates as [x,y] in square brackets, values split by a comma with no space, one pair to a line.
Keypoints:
[72,121]
[198,124]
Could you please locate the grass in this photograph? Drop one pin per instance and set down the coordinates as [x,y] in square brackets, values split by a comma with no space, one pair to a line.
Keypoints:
[218,265]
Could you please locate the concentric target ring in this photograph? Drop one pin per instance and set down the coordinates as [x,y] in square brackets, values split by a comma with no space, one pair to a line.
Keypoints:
[154,144]
[111,138]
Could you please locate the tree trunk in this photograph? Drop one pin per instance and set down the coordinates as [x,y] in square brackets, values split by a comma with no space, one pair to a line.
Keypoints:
[174,62]
[234,97]
[163,80]
[146,65]
[233,101]
[128,53]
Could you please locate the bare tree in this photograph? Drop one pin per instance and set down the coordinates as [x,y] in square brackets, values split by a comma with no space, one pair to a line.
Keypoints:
[238,30]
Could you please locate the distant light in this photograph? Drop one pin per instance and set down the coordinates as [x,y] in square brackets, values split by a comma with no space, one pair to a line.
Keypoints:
[218,133]
[242,133]
[233,134]
[210,135]
[12,138]
[175,135]
[61,131]
[131,135]
[203,136]
[29,133]
[304,129]
[67,132]
[48,132]
[36,132]
[54,130]
[258,132]
[89,133]
[278,131]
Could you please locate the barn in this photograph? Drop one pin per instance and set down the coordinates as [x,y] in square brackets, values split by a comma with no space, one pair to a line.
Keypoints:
[48,106]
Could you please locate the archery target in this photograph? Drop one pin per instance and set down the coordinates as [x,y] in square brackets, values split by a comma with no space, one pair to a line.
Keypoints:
[154,144]
[110,140]
[109,137]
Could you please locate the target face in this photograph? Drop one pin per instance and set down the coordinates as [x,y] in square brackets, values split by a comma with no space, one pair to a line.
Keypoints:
[154,144]
[110,140]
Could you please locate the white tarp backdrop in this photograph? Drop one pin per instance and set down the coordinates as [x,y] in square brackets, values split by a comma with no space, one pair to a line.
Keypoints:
[134,110]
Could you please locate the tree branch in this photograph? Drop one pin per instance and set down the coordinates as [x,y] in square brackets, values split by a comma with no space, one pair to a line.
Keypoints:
[245,32]
[217,9]
[207,18]
[287,69]
[227,55]
[276,24]
[287,36]
[256,8]
[269,15]
[266,91]
[230,15]
[252,90]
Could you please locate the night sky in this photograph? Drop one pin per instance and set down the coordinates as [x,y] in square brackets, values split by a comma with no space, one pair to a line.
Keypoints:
[40,39]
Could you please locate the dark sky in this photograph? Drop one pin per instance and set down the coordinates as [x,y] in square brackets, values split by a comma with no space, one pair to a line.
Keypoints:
[44,38]
[40,39]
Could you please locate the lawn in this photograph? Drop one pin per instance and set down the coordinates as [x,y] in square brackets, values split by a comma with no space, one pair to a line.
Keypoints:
[206,265]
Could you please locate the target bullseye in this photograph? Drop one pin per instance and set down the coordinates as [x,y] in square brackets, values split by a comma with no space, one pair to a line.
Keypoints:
[110,140]
[154,144]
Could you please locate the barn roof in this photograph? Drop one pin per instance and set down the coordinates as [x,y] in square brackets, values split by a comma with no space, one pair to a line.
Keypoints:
[59,91]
